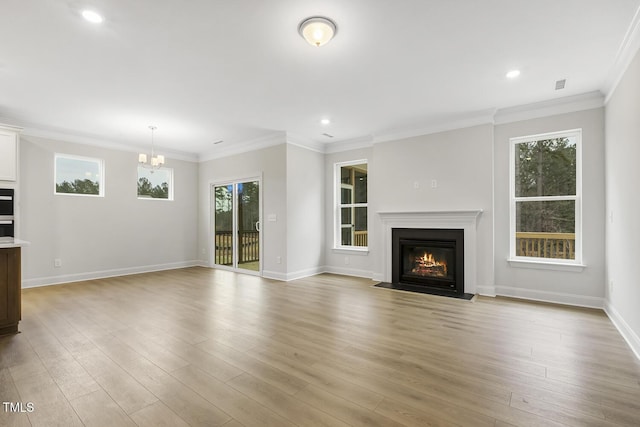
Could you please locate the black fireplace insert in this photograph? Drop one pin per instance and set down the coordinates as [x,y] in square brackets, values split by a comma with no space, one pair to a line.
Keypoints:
[431,260]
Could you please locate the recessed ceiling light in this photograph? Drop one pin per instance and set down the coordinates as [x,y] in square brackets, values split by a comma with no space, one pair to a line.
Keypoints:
[325,121]
[91,16]
[513,74]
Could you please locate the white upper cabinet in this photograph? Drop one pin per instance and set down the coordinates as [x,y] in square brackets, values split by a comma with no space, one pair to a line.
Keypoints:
[8,153]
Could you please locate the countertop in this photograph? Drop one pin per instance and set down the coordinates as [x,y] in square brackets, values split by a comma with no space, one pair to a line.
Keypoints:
[12,242]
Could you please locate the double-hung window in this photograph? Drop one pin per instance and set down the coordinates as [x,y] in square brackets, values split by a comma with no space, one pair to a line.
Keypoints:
[351,205]
[545,211]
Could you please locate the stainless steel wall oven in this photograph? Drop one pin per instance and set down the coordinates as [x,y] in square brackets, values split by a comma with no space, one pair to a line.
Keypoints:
[7,224]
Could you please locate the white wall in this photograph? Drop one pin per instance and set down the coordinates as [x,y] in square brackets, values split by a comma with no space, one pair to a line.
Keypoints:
[460,161]
[623,204]
[340,261]
[305,212]
[101,236]
[269,163]
[579,288]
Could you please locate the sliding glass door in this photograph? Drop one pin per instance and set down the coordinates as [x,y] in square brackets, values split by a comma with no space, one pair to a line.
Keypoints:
[236,225]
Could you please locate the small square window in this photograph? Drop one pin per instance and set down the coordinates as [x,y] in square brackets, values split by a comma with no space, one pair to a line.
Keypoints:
[77,175]
[155,183]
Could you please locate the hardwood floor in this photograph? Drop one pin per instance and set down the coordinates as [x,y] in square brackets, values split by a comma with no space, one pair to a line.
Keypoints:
[198,347]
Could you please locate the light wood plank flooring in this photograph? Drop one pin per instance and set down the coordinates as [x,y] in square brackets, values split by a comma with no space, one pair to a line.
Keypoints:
[197,346]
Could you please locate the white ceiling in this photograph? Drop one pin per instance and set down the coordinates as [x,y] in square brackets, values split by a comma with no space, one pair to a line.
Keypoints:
[237,70]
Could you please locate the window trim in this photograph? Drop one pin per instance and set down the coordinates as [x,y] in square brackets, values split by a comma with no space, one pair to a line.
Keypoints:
[171,185]
[337,223]
[538,262]
[101,167]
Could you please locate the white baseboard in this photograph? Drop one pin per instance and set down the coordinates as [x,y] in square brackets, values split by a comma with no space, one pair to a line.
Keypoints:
[285,277]
[92,275]
[623,327]
[305,273]
[378,277]
[348,271]
[275,275]
[553,297]
[487,291]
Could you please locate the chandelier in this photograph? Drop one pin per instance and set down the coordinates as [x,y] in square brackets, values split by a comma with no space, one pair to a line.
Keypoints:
[156,160]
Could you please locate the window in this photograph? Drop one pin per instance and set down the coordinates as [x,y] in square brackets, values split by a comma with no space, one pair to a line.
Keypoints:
[351,205]
[545,174]
[155,183]
[78,175]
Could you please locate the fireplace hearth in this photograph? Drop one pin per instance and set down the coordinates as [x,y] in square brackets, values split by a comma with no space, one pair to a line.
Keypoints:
[428,260]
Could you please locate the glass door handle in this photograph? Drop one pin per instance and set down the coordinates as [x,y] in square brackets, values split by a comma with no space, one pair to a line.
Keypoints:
[258,226]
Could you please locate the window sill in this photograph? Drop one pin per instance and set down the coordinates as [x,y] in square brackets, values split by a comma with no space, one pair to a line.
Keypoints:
[539,264]
[351,251]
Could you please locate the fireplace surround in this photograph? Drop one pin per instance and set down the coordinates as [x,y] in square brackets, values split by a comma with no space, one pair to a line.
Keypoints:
[453,219]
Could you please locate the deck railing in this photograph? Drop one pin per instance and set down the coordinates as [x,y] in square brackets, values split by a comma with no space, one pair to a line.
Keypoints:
[546,245]
[249,247]
[361,238]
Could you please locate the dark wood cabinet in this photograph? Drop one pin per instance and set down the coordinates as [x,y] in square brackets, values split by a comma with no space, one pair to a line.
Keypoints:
[10,290]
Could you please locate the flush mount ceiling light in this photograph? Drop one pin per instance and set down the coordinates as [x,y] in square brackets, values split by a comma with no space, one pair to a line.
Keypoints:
[156,161]
[325,121]
[91,16]
[513,74]
[317,30]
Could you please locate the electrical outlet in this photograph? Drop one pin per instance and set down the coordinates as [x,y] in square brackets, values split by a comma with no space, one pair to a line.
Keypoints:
[278,260]
[416,184]
[434,183]
[346,260]
[57,263]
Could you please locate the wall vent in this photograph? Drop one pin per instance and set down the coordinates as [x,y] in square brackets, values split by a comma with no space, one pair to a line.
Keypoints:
[560,84]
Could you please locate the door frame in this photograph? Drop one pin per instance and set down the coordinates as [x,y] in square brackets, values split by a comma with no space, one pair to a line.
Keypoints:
[212,226]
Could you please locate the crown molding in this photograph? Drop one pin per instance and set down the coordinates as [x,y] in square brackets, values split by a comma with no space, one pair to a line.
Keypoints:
[349,144]
[77,138]
[309,144]
[273,139]
[11,127]
[103,143]
[627,51]
[460,122]
[568,104]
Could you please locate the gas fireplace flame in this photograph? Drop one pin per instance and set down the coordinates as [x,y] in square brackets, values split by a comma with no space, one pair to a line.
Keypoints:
[427,265]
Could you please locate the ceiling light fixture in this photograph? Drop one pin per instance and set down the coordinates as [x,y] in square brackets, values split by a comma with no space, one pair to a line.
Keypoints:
[513,74]
[156,161]
[325,121]
[93,17]
[317,30]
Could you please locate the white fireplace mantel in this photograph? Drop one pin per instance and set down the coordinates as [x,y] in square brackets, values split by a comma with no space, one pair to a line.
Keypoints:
[456,219]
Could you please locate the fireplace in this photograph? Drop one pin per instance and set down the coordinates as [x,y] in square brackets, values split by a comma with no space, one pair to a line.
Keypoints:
[429,259]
